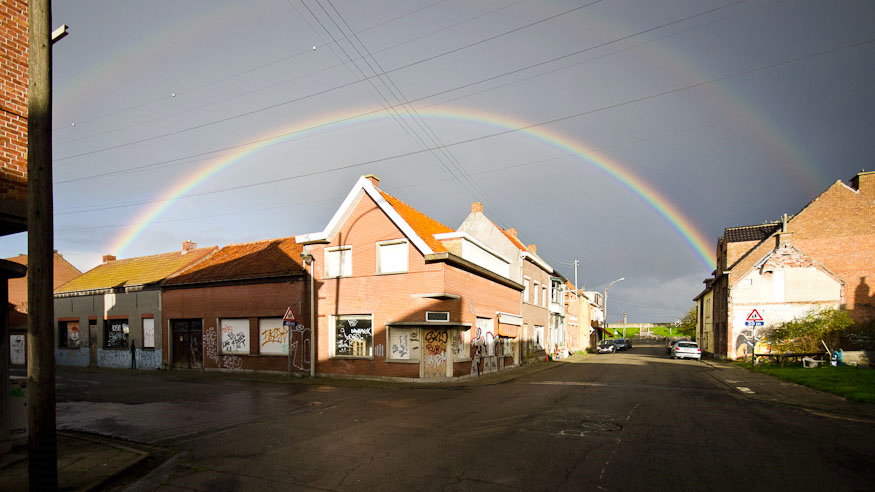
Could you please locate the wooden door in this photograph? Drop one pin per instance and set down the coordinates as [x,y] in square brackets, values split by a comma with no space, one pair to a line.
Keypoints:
[435,360]
[187,347]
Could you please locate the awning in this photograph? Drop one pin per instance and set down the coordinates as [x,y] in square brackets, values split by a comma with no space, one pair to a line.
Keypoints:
[511,331]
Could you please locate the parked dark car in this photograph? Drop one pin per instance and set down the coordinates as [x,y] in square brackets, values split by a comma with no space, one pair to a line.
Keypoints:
[623,343]
[607,347]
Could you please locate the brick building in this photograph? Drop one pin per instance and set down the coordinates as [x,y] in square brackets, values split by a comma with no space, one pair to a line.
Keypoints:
[234,301]
[823,256]
[119,302]
[13,116]
[63,272]
[401,295]
[527,268]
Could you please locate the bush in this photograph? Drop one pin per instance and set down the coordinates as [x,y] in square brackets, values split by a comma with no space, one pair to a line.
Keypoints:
[807,332]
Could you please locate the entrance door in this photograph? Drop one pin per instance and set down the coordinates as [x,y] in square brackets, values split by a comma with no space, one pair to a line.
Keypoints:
[92,343]
[187,349]
[435,362]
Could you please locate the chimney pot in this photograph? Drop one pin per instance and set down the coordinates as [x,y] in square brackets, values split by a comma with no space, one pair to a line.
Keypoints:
[373,179]
[108,258]
[188,245]
[477,207]
[533,248]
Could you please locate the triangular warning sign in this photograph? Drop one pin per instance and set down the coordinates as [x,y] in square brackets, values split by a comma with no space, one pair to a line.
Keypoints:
[289,316]
[754,316]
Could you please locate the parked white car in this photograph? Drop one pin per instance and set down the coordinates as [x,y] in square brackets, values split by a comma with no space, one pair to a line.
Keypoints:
[686,350]
[607,347]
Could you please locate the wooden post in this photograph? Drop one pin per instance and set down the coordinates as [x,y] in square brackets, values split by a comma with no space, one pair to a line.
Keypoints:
[42,466]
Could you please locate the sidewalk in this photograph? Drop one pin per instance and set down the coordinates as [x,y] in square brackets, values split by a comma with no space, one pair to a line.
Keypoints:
[769,389]
[84,462]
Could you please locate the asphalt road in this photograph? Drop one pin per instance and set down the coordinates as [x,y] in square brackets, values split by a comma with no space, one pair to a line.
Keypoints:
[635,420]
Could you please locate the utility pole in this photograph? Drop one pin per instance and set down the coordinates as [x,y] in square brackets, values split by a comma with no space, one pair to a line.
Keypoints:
[624,324]
[42,465]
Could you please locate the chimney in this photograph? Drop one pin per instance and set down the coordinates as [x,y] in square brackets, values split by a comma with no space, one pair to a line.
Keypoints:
[511,231]
[108,258]
[373,179]
[784,235]
[864,182]
[533,248]
[476,207]
[188,246]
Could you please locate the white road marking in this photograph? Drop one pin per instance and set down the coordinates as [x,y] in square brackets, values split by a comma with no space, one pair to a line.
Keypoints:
[744,389]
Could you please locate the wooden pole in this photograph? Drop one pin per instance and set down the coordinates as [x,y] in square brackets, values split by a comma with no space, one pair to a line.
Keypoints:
[42,466]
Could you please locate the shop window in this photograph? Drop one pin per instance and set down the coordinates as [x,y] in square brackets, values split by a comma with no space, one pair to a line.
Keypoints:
[338,261]
[273,337]
[69,334]
[116,333]
[235,336]
[392,257]
[353,336]
[404,344]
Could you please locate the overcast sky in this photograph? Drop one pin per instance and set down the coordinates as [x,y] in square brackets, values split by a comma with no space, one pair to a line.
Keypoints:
[615,132]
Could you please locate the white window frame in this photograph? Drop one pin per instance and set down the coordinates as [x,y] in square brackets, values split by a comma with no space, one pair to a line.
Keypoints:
[544,295]
[465,354]
[427,313]
[245,331]
[332,333]
[393,242]
[343,252]
[535,292]
[526,282]
[282,332]
[539,330]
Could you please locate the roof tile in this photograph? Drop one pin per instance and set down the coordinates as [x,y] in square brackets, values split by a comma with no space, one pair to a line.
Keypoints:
[260,259]
[422,224]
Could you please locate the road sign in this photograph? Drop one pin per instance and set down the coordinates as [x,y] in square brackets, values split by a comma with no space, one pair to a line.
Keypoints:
[755,316]
[754,323]
[289,316]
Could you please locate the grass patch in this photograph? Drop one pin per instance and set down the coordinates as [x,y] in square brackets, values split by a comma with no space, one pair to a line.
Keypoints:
[850,382]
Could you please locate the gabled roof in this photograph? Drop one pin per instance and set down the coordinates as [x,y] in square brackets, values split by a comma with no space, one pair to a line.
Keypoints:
[516,242]
[130,272]
[415,225]
[749,233]
[257,260]
[63,272]
[424,226]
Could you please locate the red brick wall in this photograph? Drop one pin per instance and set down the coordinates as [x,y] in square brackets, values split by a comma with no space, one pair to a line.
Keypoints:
[253,301]
[838,230]
[13,99]
[389,298]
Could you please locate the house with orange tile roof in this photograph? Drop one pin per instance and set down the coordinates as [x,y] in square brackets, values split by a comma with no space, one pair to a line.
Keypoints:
[400,295]
[235,301]
[63,272]
[111,315]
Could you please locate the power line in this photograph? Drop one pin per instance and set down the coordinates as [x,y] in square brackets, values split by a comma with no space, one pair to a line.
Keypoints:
[512,130]
[324,91]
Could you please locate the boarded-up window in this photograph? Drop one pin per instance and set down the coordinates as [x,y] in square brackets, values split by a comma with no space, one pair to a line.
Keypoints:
[353,336]
[392,257]
[16,349]
[338,262]
[273,336]
[115,333]
[404,344]
[460,344]
[235,336]
[148,333]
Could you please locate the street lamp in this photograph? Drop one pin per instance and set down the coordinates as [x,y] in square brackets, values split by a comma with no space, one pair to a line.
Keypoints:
[606,298]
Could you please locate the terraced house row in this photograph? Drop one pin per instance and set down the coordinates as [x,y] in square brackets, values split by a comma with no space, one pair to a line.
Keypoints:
[382,291]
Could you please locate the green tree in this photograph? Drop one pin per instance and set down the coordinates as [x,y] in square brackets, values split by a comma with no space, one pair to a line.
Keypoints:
[807,333]
[686,326]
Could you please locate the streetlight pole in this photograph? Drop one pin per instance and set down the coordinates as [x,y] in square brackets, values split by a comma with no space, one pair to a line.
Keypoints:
[606,298]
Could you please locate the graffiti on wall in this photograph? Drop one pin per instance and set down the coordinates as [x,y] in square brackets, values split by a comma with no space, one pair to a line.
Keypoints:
[212,352]
[484,360]
[16,349]
[300,347]
[435,353]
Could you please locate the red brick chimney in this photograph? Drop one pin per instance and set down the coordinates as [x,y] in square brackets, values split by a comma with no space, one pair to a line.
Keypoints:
[476,207]
[373,179]
[511,231]
[108,258]
[533,248]
[188,246]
